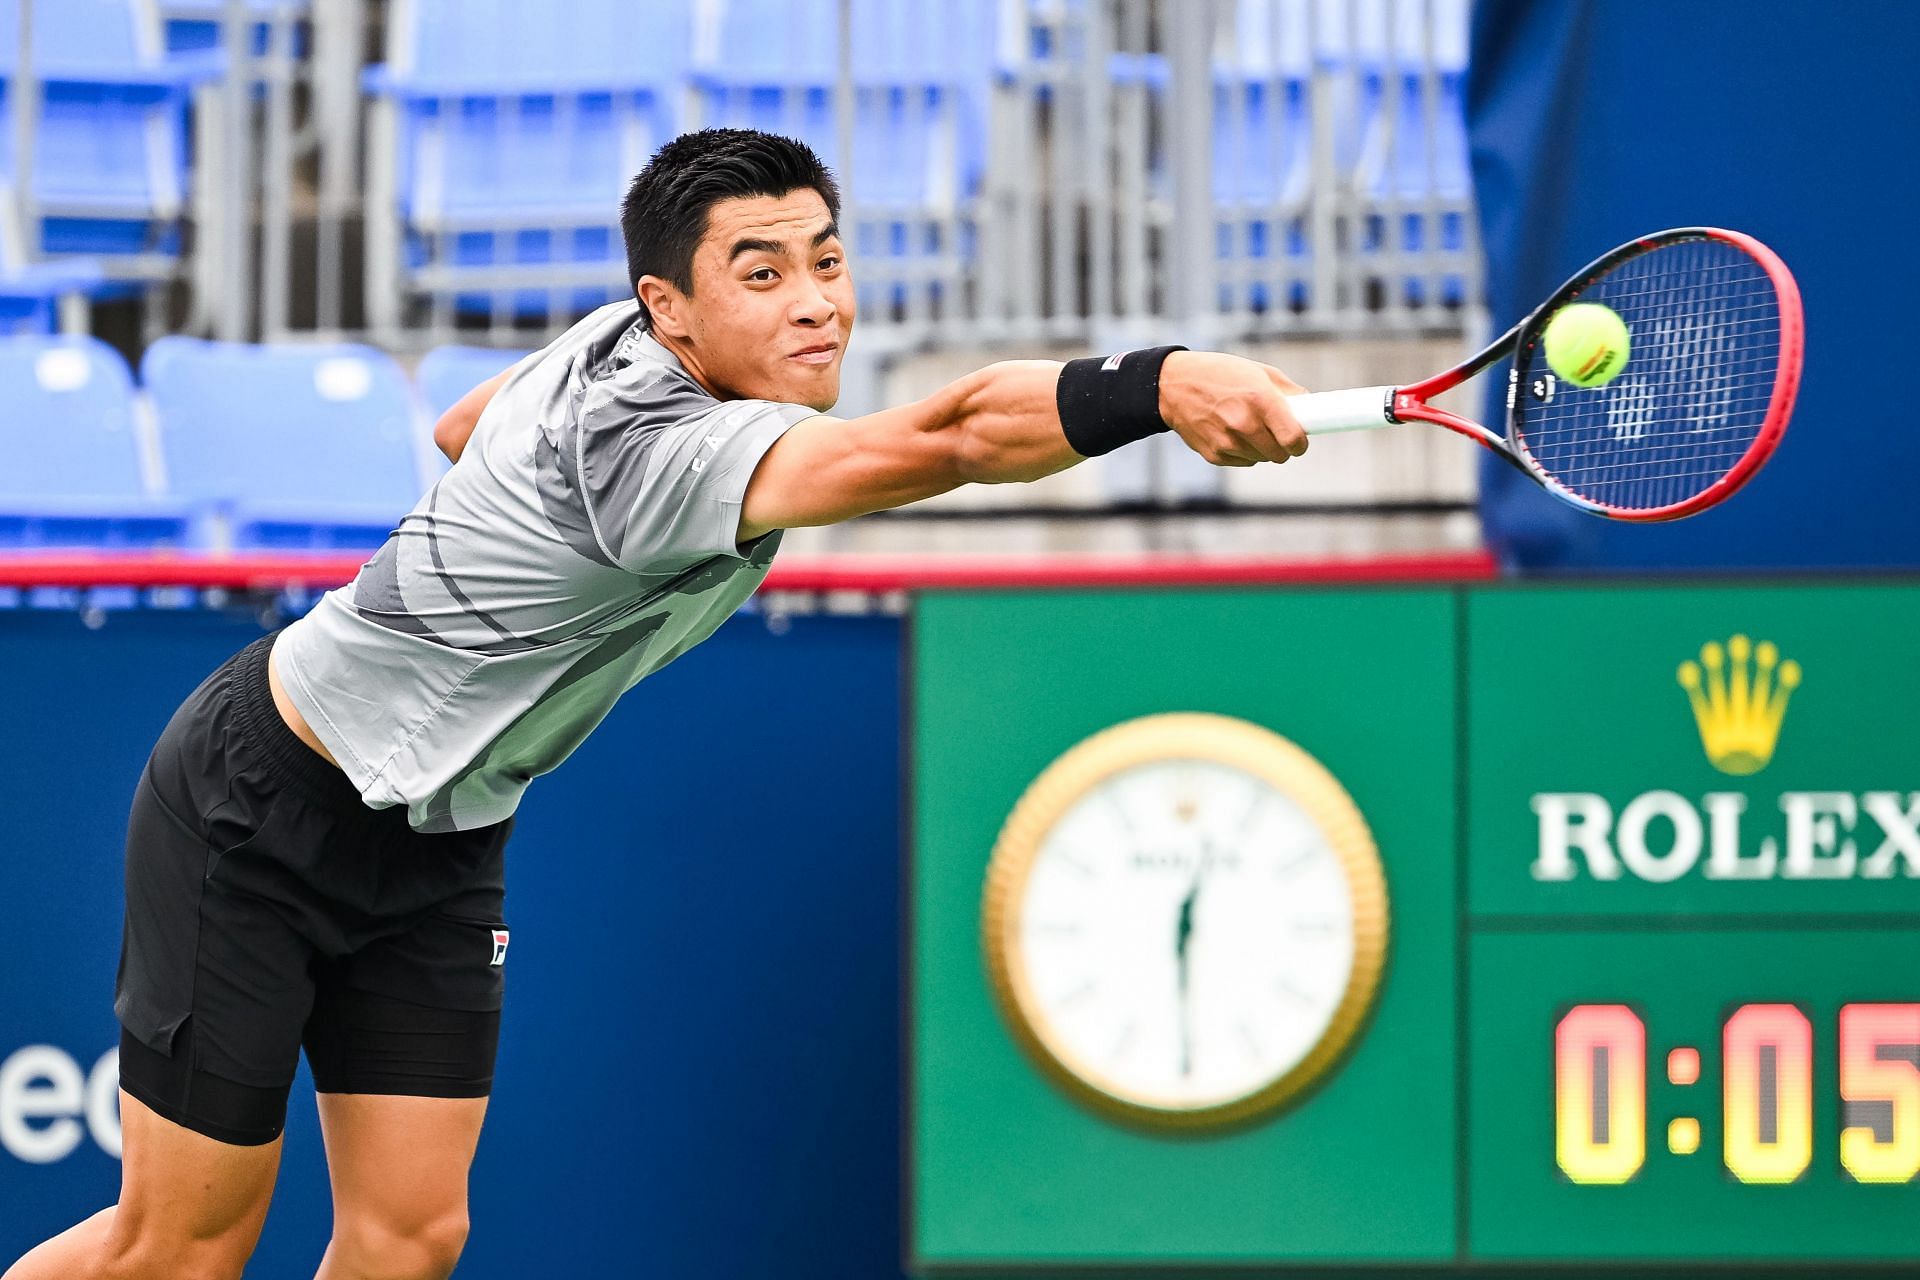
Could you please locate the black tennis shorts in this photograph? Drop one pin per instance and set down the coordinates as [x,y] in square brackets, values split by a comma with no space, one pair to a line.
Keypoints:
[268,909]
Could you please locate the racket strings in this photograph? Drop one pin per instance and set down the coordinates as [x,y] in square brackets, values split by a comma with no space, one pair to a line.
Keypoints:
[1704,322]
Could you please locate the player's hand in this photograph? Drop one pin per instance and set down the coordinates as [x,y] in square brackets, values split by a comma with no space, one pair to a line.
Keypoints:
[1231,411]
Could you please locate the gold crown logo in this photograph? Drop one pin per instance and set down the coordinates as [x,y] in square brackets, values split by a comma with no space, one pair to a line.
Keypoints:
[1740,701]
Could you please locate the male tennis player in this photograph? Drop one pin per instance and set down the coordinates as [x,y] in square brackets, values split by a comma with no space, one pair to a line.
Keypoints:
[315,852]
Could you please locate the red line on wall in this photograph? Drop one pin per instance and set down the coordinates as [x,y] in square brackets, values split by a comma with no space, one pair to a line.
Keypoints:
[863,573]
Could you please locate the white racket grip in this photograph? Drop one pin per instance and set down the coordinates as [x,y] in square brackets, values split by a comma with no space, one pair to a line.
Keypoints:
[1357,409]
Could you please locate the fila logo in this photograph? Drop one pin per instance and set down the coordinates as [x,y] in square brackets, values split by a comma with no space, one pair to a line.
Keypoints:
[1112,362]
[499,947]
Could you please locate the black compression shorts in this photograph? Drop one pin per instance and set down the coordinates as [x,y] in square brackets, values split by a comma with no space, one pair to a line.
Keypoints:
[268,908]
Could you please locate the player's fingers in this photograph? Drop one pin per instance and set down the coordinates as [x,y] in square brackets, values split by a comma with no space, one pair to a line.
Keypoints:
[1260,446]
[1231,448]
[1288,436]
[1221,446]
[1243,425]
[1236,451]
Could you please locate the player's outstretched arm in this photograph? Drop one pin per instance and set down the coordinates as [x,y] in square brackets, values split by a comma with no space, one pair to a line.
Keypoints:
[1002,424]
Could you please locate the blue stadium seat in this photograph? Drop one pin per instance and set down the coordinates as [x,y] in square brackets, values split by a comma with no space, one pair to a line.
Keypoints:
[30,295]
[447,373]
[305,448]
[77,37]
[515,137]
[30,292]
[1369,57]
[193,26]
[922,72]
[1401,165]
[1444,178]
[71,474]
[111,165]
[796,42]
[1262,153]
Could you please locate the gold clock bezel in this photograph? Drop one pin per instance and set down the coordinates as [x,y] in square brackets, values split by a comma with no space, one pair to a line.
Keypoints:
[1152,739]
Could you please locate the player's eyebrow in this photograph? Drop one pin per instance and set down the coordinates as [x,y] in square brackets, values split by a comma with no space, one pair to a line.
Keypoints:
[775,247]
[778,247]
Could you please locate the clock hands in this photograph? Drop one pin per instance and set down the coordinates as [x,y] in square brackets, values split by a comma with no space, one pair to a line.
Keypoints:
[1183,934]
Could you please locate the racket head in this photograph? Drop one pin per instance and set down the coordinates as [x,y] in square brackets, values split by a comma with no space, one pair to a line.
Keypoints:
[1717,343]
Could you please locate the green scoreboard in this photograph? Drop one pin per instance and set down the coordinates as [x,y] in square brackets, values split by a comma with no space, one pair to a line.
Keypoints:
[1427,930]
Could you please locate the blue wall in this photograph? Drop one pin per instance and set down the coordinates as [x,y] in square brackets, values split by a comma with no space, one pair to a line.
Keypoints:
[1594,121]
[700,1065]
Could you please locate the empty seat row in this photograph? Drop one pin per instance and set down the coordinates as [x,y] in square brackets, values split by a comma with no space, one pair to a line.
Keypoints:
[112,161]
[504,134]
[512,142]
[312,448]
[1392,73]
[513,138]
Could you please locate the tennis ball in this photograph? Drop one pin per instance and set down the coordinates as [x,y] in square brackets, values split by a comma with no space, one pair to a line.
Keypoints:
[1587,344]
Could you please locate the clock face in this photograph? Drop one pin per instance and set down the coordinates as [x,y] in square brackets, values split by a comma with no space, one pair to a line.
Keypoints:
[1186,918]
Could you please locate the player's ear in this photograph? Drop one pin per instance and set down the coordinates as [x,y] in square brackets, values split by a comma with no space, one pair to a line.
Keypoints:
[665,303]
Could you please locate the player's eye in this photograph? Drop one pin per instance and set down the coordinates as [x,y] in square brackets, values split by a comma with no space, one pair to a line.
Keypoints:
[829,262]
[761,275]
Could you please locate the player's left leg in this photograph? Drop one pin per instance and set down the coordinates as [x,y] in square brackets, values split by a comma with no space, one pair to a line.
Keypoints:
[399,1170]
[402,1041]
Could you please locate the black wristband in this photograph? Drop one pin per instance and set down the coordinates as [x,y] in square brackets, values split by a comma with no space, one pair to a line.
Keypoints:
[1105,403]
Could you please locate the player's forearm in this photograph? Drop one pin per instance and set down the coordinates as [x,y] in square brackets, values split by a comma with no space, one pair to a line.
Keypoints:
[1006,426]
[997,425]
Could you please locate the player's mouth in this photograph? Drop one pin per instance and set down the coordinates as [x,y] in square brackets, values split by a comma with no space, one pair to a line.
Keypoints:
[823,353]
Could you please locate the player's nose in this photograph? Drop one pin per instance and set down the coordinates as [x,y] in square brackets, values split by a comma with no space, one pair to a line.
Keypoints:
[812,307]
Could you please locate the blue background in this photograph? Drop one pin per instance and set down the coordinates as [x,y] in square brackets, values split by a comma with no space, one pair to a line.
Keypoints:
[1594,121]
[699,1072]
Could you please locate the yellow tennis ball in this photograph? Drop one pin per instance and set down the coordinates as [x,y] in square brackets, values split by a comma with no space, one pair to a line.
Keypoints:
[1587,344]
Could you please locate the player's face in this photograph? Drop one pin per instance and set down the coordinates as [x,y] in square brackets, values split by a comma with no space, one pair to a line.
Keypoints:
[772,301]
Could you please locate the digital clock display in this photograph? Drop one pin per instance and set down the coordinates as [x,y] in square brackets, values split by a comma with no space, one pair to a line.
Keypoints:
[1697,1094]
[1768,1093]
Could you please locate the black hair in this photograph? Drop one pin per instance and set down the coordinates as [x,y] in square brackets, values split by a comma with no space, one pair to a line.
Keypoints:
[665,212]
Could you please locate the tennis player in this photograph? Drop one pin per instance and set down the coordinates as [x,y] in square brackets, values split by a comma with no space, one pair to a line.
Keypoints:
[315,851]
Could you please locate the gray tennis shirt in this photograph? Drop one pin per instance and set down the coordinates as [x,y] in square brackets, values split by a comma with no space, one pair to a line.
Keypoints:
[584,540]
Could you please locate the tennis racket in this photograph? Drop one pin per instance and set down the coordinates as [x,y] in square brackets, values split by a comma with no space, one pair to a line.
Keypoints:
[1716,338]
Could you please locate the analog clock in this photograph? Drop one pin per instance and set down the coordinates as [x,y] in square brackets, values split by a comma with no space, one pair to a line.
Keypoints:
[1185,919]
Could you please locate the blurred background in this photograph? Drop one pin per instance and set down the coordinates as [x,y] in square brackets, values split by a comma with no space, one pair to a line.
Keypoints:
[250,249]
[440,180]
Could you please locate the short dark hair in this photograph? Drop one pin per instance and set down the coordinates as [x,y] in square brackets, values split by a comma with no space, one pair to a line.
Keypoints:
[665,212]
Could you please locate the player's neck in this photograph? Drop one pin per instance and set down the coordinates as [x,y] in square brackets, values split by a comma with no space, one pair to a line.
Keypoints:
[689,359]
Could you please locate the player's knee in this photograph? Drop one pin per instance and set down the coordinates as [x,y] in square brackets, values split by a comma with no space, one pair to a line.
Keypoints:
[384,1250]
[152,1257]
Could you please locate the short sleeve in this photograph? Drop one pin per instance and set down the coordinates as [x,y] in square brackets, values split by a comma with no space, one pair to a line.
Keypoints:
[665,488]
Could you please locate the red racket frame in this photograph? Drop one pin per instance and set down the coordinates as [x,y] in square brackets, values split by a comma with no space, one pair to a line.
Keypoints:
[1410,403]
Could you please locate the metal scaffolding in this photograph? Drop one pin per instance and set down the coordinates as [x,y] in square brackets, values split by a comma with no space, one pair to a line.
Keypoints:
[1233,169]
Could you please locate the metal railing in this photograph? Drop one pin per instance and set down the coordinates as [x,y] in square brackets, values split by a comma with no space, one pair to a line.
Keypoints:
[281,132]
[1018,170]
